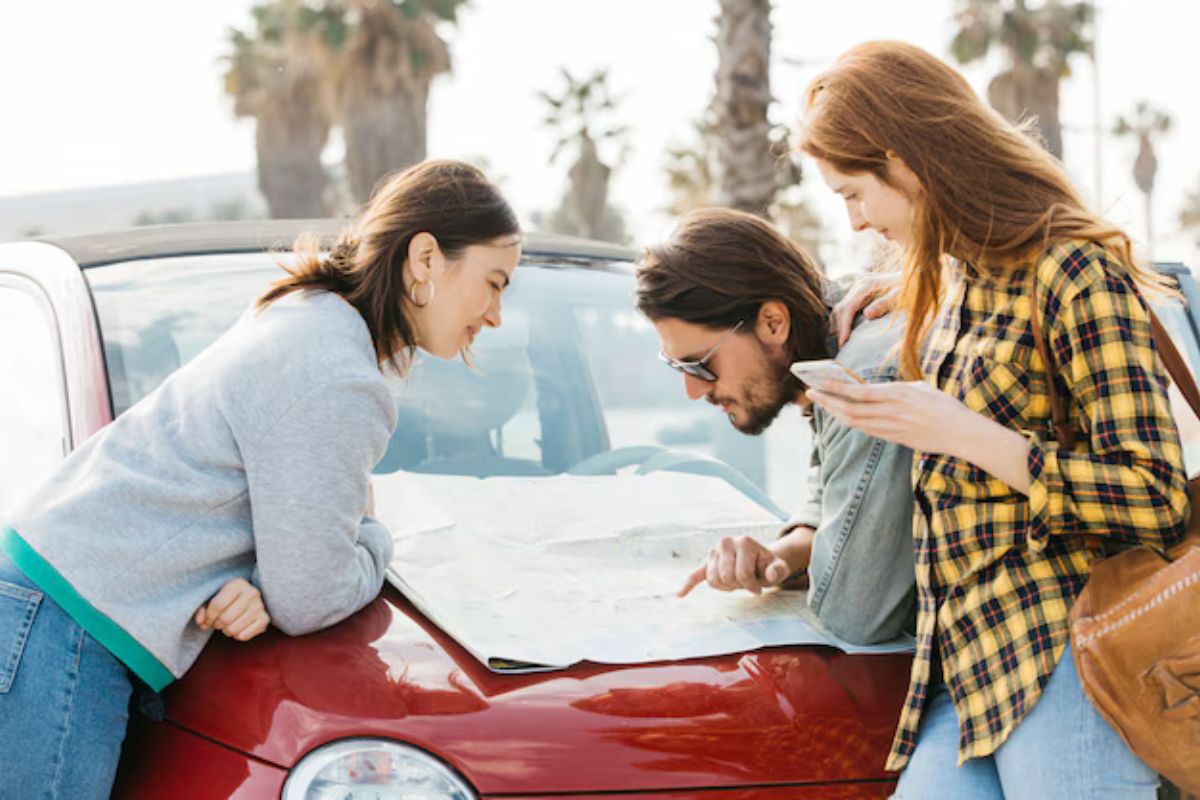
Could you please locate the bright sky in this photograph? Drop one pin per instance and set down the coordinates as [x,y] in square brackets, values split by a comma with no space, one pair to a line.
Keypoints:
[130,91]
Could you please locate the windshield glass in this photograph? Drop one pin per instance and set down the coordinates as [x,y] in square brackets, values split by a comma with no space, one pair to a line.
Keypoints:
[570,381]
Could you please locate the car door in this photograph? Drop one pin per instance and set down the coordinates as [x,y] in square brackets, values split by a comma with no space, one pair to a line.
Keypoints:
[34,430]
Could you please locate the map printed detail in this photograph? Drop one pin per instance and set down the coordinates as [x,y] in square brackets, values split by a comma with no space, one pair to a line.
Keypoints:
[542,573]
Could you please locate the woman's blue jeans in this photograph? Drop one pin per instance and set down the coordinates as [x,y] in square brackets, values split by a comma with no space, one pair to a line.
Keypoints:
[64,699]
[1063,750]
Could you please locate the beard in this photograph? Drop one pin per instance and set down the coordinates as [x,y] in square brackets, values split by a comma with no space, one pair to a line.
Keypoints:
[763,399]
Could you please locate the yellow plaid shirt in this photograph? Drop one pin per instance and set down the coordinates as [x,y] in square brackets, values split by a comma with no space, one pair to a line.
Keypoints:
[997,571]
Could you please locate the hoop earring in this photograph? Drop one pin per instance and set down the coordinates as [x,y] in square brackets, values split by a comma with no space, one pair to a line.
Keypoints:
[412,293]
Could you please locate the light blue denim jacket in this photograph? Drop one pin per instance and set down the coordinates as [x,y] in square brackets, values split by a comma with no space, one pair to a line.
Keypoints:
[861,505]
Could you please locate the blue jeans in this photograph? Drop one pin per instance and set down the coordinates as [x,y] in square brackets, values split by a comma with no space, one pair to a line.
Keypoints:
[64,699]
[1062,749]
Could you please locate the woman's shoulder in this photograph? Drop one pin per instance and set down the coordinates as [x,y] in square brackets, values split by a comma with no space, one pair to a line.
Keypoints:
[1067,268]
[312,334]
[315,319]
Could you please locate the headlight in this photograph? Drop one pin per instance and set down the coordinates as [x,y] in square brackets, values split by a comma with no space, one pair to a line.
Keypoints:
[373,769]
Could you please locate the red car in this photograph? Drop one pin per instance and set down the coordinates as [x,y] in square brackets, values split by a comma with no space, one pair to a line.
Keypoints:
[385,705]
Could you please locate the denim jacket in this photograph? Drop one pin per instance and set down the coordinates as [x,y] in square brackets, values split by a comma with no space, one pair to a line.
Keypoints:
[861,505]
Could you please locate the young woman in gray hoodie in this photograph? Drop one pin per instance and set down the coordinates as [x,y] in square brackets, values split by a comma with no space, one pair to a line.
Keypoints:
[250,463]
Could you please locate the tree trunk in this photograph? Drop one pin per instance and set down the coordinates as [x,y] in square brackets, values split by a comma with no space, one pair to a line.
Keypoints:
[384,134]
[1145,166]
[1150,225]
[1145,169]
[1025,91]
[289,140]
[588,198]
[745,166]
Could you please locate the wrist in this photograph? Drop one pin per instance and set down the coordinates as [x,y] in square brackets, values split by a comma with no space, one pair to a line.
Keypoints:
[999,451]
[794,547]
[971,435]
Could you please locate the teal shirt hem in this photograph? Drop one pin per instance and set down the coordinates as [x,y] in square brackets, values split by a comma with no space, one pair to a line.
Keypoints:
[108,633]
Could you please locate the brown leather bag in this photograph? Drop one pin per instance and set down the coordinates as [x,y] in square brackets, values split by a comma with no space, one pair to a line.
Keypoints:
[1135,628]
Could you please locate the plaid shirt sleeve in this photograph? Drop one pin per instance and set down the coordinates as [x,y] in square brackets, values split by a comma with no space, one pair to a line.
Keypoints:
[1125,478]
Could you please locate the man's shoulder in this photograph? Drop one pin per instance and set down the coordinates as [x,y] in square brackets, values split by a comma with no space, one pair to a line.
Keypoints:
[870,350]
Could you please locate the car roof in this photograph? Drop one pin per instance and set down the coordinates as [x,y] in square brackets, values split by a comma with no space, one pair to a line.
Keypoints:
[160,241]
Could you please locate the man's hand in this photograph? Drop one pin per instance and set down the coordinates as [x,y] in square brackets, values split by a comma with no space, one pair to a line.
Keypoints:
[740,563]
[236,610]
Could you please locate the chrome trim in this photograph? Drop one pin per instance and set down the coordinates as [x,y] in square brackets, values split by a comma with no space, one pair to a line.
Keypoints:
[158,241]
[85,379]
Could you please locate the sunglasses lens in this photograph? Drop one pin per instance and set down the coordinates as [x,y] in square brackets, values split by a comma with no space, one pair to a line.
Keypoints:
[689,368]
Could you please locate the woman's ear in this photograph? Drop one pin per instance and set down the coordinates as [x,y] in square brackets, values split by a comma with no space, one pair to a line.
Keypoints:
[422,254]
[901,175]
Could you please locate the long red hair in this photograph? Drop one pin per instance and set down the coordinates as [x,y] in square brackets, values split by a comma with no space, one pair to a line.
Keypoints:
[991,198]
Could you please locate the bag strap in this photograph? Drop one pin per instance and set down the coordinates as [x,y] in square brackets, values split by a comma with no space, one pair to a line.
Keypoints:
[1176,366]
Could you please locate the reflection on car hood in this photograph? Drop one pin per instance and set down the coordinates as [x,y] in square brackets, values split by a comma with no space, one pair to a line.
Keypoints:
[780,716]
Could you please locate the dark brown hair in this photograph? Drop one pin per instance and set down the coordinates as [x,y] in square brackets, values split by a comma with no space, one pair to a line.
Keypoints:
[719,266]
[450,200]
[991,197]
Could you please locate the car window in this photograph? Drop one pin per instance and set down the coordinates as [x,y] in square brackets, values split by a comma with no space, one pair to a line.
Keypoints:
[33,431]
[570,377]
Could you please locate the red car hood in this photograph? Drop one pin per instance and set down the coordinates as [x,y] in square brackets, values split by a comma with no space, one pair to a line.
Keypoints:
[779,716]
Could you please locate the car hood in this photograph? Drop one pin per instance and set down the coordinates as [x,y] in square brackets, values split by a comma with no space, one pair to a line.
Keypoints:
[778,716]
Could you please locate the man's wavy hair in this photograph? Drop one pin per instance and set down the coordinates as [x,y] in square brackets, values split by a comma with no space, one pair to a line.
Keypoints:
[719,266]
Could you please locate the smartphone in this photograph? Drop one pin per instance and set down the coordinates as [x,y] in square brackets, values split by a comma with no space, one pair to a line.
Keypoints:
[814,373]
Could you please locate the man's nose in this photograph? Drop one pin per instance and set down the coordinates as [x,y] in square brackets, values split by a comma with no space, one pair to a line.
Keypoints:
[695,387]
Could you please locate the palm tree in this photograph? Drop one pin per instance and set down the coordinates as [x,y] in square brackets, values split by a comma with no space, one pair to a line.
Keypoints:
[1145,123]
[388,53]
[1038,44]
[578,115]
[1189,215]
[274,74]
[691,168]
[746,167]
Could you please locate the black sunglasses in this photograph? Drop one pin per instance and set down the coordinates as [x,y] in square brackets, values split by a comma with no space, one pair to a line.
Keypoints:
[699,369]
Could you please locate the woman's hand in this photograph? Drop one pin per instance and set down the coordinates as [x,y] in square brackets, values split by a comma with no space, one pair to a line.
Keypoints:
[236,610]
[873,293]
[914,414]
[921,417]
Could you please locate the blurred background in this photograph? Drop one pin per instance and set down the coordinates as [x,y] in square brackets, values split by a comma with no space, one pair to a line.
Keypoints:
[598,119]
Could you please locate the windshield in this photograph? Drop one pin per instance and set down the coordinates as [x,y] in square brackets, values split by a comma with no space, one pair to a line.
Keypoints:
[571,381]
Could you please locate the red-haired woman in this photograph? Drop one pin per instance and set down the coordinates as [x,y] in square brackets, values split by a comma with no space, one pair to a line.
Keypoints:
[1007,523]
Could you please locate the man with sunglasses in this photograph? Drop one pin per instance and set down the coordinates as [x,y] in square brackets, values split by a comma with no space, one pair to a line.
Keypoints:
[734,303]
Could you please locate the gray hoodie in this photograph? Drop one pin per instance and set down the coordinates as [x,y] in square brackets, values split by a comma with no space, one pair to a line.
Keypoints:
[251,461]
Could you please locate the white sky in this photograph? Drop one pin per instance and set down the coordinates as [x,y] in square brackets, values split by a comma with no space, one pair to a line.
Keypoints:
[130,91]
